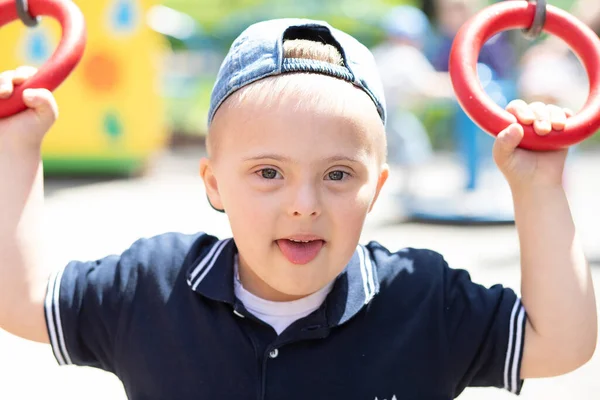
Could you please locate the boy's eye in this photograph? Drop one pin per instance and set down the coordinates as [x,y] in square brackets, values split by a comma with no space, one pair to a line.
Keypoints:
[336,175]
[268,173]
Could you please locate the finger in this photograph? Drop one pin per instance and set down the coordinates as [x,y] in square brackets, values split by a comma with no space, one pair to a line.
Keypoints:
[542,124]
[23,73]
[43,103]
[558,117]
[568,112]
[521,110]
[506,142]
[6,85]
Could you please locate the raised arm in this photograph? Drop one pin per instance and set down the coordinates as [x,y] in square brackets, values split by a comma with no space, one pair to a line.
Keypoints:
[557,289]
[22,277]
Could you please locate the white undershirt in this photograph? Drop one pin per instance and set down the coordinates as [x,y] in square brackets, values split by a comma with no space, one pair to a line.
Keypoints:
[279,315]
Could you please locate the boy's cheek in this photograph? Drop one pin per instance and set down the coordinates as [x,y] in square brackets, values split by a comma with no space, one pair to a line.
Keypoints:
[251,212]
[350,214]
[365,197]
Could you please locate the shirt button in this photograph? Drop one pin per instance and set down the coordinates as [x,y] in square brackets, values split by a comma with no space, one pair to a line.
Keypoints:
[274,353]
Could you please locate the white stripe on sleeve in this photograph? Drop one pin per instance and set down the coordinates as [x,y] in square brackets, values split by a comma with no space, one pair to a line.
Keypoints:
[515,344]
[53,320]
[518,346]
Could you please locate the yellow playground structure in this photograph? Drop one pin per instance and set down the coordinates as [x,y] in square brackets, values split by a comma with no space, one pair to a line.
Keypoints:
[112,118]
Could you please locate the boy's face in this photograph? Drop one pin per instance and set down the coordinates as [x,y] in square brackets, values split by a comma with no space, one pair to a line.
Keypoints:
[296,158]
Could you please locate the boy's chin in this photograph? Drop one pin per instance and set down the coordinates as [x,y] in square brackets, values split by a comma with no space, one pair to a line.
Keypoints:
[293,291]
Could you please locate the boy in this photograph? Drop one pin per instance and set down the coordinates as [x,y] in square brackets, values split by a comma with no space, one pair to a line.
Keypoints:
[293,308]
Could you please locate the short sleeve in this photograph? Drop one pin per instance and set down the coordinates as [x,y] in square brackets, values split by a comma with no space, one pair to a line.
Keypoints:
[89,305]
[485,329]
[83,307]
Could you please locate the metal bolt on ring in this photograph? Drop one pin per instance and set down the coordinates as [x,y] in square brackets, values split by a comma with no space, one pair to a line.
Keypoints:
[24,15]
[539,20]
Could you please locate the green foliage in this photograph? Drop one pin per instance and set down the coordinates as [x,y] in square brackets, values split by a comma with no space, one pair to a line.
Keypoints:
[223,20]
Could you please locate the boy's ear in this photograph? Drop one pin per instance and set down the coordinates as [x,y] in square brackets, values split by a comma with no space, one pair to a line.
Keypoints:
[210,184]
[383,175]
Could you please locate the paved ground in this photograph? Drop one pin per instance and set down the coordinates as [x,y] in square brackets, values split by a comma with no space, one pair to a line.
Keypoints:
[90,218]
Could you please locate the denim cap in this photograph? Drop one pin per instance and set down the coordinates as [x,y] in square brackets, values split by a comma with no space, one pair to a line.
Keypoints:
[258,53]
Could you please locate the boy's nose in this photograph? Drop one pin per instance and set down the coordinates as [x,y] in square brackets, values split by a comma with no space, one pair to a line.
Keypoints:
[305,202]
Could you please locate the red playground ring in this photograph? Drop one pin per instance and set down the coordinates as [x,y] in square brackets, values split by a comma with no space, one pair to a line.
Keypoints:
[64,59]
[491,117]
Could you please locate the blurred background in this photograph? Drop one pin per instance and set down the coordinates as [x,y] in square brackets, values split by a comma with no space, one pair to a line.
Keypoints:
[150,65]
[122,160]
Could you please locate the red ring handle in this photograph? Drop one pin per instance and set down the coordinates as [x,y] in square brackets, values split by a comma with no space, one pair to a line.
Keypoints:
[64,59]
[491,117]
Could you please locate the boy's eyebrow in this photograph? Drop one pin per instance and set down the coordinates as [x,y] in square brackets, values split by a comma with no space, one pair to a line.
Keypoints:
[283,159]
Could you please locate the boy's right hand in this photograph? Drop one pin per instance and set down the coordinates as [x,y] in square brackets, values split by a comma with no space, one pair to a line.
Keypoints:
[27,129]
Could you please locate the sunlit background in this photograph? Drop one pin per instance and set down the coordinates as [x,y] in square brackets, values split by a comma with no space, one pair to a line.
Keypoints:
[121,162]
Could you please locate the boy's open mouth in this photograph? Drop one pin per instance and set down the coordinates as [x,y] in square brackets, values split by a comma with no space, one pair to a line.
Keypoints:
[301,249]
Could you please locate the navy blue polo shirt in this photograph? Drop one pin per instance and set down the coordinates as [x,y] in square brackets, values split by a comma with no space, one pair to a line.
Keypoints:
[164,319]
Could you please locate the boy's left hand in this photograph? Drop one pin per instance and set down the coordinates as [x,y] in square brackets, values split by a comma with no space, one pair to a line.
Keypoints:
[532,168]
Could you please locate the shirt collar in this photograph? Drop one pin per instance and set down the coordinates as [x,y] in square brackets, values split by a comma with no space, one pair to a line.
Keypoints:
[212,274]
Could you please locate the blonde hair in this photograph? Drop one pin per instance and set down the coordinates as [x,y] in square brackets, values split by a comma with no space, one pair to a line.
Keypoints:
[301,48]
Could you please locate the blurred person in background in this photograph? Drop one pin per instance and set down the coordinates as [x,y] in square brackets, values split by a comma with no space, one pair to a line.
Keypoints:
[554,77]
[497,53]
[409,79]
[551,72]
[588,11]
